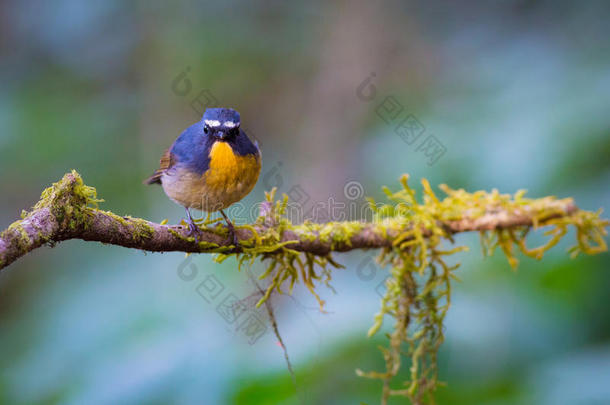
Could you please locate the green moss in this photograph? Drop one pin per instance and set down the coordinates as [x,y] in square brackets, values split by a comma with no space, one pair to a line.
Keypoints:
[140,229]
[23,240]
[419,307]
[68,201]
[339,234]
[19,240]
[306,232]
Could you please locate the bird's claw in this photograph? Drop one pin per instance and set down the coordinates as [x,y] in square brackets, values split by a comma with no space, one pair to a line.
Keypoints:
[194,231]
[233,236]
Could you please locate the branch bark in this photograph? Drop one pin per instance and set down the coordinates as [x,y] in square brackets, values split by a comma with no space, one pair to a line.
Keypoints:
[65,212]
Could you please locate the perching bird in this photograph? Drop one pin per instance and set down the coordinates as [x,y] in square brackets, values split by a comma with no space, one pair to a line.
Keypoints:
[211,165]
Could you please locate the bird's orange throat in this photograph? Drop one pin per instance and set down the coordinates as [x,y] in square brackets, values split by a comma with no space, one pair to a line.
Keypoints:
[230,175]
[222,156]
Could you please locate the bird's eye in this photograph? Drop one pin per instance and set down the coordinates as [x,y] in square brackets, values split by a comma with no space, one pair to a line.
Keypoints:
[206,129]
[235,131]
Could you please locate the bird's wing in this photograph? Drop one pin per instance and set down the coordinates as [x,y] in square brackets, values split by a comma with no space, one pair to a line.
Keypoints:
[167,161]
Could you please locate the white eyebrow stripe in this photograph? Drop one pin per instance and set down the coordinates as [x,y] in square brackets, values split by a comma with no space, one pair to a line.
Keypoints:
[230,124]
[212,123]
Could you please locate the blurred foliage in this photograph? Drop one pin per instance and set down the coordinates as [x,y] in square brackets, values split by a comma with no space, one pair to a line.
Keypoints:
[516,91]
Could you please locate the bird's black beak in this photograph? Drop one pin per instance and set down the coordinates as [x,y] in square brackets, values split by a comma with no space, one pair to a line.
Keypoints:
[221,134]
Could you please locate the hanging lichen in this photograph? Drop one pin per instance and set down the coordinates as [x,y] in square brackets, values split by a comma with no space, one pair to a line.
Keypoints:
[418,291]
[285,266]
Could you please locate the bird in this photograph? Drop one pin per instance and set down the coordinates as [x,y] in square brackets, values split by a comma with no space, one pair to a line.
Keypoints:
[210,166]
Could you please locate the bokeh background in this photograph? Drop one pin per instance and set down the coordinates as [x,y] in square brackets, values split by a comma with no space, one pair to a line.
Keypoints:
[516,92]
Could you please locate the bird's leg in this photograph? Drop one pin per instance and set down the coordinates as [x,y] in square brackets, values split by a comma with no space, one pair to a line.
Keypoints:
[194,230]
[231,229]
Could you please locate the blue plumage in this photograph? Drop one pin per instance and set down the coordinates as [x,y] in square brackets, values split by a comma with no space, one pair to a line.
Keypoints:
[192,149]
[210,166]
[243,146]
[222,115]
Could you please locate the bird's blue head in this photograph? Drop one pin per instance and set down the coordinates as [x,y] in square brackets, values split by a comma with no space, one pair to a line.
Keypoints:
[222,123]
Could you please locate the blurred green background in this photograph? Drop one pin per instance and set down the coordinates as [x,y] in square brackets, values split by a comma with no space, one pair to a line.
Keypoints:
[516,92]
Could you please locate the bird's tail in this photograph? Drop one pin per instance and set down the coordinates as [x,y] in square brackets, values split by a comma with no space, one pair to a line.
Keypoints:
[155,178]
[166,162]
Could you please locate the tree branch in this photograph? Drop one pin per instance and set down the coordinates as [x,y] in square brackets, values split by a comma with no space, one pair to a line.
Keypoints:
[67,210]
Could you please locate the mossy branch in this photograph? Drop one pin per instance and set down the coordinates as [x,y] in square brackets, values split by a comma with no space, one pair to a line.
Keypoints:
[409,233]
[68,210]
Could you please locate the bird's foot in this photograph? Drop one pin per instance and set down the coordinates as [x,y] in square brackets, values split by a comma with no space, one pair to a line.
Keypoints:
[194,230]
[233,236]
